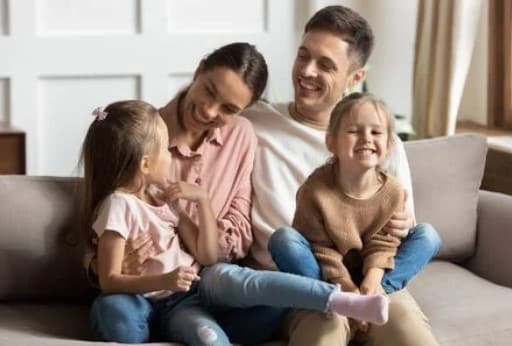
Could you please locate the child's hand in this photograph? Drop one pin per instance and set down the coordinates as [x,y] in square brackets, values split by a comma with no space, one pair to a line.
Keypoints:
[372,282]
[185,191]
[180,279]
[371,285]
[371,288]
[347,285]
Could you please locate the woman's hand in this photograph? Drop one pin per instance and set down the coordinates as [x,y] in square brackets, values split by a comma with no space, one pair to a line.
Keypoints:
[183,190]
[180,279]
[137,251]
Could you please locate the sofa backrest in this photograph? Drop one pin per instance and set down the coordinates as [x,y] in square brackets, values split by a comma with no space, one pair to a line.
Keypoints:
[40,252]
[446,176]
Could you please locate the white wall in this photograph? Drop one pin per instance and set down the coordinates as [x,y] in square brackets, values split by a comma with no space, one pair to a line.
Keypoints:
[61,58]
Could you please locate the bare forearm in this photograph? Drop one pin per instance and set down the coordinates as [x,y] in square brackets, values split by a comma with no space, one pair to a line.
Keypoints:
[188,232]
[207,234]
[376,274]
[201,240]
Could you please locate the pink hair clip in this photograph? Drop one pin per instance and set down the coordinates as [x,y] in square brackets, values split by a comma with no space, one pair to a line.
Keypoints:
[99,113]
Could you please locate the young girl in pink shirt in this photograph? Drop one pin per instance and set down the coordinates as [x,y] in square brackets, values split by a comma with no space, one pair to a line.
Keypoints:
[128,193]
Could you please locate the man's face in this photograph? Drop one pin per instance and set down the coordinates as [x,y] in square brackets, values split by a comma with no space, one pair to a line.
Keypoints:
[321,71]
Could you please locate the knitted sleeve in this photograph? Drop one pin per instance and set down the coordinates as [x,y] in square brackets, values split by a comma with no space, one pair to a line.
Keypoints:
[379,248]
[309,222]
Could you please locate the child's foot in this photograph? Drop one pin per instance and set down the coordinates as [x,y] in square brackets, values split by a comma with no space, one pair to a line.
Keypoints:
[371,308]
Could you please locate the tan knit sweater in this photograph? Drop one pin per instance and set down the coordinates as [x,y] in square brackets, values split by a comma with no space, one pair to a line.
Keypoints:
[335,223]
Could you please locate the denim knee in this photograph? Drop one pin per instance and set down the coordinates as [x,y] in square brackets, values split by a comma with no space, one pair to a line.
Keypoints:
[120,318]
[430,238]
[195,327]
[291,253]
[283,237]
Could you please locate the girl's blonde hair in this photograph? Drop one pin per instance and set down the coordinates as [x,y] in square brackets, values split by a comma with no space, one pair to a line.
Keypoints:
[112,151]
[350,103]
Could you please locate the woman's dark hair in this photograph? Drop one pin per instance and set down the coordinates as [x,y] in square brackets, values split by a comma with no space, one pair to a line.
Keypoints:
[347,25]
[245,60]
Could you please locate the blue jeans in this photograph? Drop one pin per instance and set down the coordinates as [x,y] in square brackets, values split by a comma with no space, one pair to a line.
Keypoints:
[250,304]
[226,285]
[132,318]
[219,300]
[292,254]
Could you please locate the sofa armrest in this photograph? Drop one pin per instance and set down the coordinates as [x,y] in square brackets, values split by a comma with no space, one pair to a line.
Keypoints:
[493,254]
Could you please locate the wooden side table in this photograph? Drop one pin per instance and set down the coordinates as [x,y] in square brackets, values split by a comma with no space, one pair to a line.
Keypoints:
[498,170]
[498,165]
[12,150]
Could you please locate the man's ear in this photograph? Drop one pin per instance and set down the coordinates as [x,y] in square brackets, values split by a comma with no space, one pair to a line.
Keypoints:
[357,77]
[199,69]
[145,164]
[330,143]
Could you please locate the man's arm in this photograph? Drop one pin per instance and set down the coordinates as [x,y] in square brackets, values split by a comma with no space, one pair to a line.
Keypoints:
[398,166]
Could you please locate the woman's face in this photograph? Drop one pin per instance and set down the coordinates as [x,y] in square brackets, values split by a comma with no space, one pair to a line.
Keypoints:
[214,97]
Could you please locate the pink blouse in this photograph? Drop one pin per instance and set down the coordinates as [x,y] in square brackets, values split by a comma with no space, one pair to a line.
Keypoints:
[222,165]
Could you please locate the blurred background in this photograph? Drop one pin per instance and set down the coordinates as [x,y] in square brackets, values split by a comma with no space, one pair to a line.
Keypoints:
[59,59]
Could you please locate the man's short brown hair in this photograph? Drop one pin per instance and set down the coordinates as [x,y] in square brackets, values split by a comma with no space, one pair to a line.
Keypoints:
[349,26]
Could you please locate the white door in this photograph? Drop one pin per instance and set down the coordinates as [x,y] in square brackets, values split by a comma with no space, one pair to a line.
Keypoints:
[59,59]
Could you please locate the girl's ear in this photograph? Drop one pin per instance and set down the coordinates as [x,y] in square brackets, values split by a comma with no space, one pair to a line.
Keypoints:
[391,142]
[145,164]
[330,143]
[199,69]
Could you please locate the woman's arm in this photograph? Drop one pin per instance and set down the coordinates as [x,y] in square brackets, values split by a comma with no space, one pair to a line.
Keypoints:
[111,280]
[235,229]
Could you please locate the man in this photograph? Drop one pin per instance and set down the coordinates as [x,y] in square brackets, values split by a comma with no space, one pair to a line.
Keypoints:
[330,59]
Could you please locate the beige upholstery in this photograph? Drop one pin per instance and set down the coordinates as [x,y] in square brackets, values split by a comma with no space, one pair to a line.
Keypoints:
[446,174]
[463,308]
[466,293]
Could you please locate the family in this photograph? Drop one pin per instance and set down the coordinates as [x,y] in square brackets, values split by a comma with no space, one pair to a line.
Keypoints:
[221,219]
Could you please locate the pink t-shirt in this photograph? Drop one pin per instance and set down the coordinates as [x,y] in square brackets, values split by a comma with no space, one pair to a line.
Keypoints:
[222,164]
[129,216]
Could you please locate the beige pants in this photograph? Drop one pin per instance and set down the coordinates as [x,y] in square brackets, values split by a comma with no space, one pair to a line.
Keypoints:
[407,326]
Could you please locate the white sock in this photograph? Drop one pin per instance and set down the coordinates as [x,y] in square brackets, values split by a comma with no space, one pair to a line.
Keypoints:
[371,308]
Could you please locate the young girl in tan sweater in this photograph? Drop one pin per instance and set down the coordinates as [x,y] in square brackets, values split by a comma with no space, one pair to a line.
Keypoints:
[343,205]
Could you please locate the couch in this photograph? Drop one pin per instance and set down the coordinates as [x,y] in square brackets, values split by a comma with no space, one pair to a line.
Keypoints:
[466,292]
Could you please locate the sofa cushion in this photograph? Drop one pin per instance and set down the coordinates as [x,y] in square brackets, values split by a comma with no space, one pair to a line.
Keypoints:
[40,256]
[463,308]
[446,176]
[46,324]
